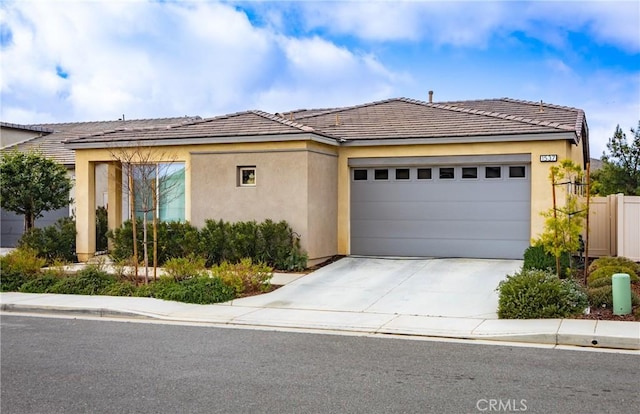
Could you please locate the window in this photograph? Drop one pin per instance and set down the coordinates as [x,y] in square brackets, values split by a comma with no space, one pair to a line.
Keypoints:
[424,173]
[469,172]
[360,175]
[381,174]
[492,172]
[447,173]
[160,188]
[402,173]
[247,176]
[517,171]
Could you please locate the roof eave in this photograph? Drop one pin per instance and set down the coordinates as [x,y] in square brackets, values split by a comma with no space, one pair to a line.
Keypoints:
[461,139]
[302,136]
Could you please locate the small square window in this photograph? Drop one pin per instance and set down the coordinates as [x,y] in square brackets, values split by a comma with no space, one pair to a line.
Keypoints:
[381,174]
[247,176]
[360,175]
[424,173]
[402,173]
[447,173]
[492,172]
[469,172]
[517,171]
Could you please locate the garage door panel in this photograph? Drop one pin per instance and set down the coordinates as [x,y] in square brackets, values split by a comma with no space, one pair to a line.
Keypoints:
[443,229]
[442,248]
[453,191]
[437,217]
[440,210]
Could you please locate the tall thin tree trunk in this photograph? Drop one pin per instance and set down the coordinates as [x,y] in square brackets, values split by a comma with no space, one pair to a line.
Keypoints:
[555,220]
[134,226]
[145,248]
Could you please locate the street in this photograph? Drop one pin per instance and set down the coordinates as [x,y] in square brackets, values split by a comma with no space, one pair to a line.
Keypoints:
[52,365]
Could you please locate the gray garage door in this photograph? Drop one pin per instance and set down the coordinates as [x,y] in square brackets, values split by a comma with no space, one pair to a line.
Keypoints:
[441,207]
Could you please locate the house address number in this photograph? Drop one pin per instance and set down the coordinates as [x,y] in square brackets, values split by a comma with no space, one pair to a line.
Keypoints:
[549,158]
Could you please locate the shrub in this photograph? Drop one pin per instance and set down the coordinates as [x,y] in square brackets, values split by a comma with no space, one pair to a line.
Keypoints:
[102,227]
[535,257]
[602,296]
[175,239]
[185,267]
[614,261]
[275,244]
[244,276]
[202,290]
[40,284]
[55,242]
[18,267]
[605,272]
[120,288]
[89,281]
[534,293]
[122,239]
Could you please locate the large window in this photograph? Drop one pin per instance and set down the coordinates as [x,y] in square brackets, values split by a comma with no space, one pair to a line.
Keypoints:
[159,189]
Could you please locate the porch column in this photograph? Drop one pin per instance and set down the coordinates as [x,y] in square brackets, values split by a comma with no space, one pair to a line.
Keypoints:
[85,208]
[114,197]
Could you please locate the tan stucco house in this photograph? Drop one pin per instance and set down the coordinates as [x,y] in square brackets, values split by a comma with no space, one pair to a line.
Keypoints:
[48,139]
[398,177]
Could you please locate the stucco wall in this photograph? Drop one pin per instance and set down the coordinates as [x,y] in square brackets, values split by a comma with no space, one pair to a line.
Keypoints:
[280,192]
[323,203]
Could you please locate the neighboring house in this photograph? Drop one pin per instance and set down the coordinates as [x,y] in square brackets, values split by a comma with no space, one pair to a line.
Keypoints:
[48,139]
[398,177]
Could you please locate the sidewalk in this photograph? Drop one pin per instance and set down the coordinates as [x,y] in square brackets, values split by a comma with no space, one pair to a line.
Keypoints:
[586,333]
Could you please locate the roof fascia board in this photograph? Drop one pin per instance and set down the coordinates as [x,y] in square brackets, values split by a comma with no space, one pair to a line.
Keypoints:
[462,140]
[201,141]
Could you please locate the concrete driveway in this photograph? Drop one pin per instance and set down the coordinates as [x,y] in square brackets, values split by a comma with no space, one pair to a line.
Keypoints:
[463,288]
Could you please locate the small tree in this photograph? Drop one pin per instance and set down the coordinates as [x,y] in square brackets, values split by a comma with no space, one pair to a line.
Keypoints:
[148,182]
[31,184]
[563,225]
[620,172]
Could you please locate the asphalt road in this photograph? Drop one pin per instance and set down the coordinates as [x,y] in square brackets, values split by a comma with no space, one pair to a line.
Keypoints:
[51,365]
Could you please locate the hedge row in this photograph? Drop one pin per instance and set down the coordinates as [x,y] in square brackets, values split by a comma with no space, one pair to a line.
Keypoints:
[269,242]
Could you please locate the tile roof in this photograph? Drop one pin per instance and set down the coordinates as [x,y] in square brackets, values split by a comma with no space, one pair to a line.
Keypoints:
[398,118]
[407,118]
[248,123]
[52,145]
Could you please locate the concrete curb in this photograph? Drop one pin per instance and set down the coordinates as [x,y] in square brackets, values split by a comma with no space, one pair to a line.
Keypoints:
[556,332]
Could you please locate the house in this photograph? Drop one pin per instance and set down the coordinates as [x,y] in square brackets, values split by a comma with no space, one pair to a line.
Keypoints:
[398,177]
[48,139]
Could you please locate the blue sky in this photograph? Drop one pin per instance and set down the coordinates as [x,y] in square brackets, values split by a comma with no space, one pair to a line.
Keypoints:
[97,60]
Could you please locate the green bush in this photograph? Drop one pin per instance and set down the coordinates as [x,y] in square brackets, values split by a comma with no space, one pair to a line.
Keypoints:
[102,227]
[614,261]
[535,257]
[602,297]
[175,239]
[275,244]
[244,276]
[181,268]
[40,284]
[18,267]
[122,239]
[89,281]
[214,238]
[534,293]
[55,242]
[120,288]
[605,272]
[202,290]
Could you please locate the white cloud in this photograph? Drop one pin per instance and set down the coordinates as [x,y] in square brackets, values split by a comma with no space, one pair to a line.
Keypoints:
[166,59]
[474,24]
